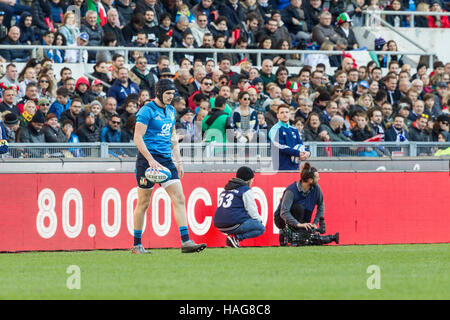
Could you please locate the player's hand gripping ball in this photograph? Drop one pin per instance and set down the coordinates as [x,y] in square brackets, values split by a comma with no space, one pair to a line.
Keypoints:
[158,175]
[299,147]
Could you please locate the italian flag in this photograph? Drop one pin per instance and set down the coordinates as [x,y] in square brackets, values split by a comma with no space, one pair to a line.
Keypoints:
[101,13]
[293,86]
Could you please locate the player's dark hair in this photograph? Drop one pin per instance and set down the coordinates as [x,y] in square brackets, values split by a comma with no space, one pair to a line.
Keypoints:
[220,102]
[307,171]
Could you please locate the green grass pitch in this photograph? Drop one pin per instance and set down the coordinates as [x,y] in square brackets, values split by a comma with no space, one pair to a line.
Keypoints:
[329,272]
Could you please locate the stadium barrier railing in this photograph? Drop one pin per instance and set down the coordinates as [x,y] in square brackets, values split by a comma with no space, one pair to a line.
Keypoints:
[412,14]
[200,152]
[171,51]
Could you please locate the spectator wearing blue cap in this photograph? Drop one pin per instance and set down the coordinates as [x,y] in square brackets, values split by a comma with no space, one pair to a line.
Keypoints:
[79,56]
[361,88]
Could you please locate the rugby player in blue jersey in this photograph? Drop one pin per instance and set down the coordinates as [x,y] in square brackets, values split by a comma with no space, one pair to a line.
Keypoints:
[157,142]
[284,138]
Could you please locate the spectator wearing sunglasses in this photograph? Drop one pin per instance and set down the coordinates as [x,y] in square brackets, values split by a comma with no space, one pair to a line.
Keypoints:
[44,105]
[244,119]
[46,89]
[206,88]
[113,133]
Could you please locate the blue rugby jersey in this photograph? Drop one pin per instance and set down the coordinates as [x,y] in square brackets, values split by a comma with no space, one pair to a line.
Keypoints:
[284,138]
[159,122]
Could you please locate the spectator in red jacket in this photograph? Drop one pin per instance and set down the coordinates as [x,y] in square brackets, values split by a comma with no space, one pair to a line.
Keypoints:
[436,21]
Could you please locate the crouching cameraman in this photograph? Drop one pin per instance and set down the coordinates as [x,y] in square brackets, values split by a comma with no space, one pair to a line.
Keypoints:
[293,215]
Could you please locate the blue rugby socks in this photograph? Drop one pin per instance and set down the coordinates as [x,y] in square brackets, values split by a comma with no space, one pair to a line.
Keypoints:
[184,232]
[137,237]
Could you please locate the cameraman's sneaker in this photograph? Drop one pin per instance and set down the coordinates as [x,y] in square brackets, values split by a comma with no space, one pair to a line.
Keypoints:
[232,241]
[190,246]
[138,249]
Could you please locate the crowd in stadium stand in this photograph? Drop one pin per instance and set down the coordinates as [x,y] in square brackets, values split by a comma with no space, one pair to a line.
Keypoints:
[354,103]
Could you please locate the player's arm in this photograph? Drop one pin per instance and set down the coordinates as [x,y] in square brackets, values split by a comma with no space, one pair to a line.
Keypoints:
[139,132]
[277,142]
[176,154]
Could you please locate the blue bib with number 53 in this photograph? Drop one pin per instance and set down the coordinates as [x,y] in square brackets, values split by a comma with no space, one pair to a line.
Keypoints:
[230,208]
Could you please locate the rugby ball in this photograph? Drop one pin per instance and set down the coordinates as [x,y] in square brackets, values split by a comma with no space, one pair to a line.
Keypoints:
[299,147]
[158,176]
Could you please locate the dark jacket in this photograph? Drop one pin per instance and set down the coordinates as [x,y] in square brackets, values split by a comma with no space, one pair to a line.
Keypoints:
[26,34]
[418,135]
[391,135]
[30,135]
[308,200]
[177,37]
[95,34]
[54,135]
[312,15]
[77,120]
[290,12]
[211,12]
[41,9]
[362,135]
[125,12]
[117,31]
[130,34]
[158,9]
[351,39]
[14,55]
[89,133]
[5,107]
[311,135]
[321,33]
[184,90]
[146,82]
[271,119]
[234,16]
[335,135]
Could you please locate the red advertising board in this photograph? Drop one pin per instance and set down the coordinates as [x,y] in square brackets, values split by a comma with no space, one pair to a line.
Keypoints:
[95,210]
